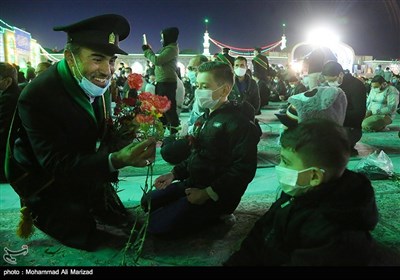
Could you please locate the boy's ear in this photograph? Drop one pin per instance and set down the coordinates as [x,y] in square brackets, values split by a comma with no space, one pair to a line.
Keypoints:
[227,89]
[317,177]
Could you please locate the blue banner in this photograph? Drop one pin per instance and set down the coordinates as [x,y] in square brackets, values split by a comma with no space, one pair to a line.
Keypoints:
[22,40]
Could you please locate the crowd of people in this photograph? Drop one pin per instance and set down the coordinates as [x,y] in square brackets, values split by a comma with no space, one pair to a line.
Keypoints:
[57,157]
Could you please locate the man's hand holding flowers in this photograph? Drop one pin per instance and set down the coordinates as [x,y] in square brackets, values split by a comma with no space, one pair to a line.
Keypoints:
[135,154]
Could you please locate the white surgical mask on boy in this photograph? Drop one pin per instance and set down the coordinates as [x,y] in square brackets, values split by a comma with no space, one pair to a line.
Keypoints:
[88,87]
[204,98]
[240,72]
[288,180]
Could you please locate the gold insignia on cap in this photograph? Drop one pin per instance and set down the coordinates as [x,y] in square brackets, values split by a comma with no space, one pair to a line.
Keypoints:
[111,38]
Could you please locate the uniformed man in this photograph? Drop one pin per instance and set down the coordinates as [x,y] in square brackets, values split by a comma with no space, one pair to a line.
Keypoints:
[226,57]
[60,164]
[260,65]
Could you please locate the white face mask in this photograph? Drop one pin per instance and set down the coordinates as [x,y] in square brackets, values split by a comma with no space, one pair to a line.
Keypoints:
[204,98]
[240,72]
[88,87]
[292,85]
[288,180]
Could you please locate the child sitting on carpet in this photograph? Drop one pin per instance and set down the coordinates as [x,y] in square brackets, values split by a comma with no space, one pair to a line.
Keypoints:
[325,212]
[210,183]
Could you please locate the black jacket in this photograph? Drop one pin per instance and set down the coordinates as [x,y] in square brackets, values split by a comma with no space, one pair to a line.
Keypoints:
[356,94]
[8,103]
[60,132]
[327,226]
[250,94]
[224,156]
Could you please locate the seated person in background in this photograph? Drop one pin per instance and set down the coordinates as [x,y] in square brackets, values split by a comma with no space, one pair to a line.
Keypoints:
[263,90]
[191,75]
[175,150]
[295,87]
[245,88]
[278,89]
[382,103]
[320,102]
[41,67]
[356,95]
[325,212]
[222,162]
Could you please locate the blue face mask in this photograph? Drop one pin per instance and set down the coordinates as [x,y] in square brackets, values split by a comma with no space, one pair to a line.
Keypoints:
[88,87]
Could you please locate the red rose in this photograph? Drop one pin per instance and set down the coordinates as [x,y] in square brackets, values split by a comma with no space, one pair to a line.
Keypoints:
[135,81]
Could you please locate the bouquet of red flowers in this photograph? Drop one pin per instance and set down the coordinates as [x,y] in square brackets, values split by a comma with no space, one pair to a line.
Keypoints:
[139,118]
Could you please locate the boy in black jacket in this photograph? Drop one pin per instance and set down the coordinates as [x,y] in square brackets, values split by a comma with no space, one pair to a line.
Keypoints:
[325,212]
[222,162]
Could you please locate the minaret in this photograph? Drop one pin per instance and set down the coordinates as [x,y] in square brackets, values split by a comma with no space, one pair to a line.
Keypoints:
[283,41]
[206,43]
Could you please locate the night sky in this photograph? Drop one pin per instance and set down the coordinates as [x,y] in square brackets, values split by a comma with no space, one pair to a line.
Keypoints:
[371,27]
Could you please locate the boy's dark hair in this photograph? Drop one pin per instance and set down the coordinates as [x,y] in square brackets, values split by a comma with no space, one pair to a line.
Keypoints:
[221,71]
[319,142]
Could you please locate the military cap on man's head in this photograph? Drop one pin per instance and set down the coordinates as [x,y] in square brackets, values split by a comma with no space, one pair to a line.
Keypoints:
[101,33]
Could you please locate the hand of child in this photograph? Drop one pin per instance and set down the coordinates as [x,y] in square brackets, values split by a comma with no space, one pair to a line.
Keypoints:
[164,181]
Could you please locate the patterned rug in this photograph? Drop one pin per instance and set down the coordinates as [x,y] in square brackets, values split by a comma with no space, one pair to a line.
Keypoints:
[206,248]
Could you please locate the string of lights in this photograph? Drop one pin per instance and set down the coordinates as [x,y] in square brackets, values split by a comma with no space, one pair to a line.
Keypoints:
[245,51]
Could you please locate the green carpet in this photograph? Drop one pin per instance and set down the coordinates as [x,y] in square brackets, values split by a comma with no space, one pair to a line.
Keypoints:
[207,248]
[388,141]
